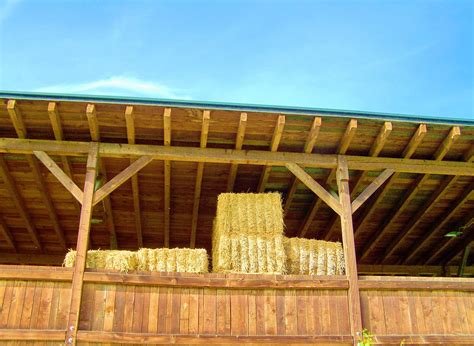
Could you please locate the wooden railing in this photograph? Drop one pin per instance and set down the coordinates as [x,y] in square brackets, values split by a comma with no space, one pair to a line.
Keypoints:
[216,308]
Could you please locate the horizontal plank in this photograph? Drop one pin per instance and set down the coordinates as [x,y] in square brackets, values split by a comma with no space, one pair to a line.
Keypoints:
[32,334]
[251,157]
[424,339]
[94,336]
[425,284]
[413,270]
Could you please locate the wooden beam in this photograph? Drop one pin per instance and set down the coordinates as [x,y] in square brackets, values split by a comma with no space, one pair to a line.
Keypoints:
[459,242]
[239,141]
[439,224]
[17,120]
[62,177]
[7,235]
[248,157]
[206,115]
[308,148]
[410,270]
[409,195]
[130,122]
[121,178]
[465,256]
[95,136]
[19,203]
[82,243]
[355,316]
[409,150]
[277,133]
[374,151]
[346,139]
[369,190]
[167,175]
[55,120]
[314,186]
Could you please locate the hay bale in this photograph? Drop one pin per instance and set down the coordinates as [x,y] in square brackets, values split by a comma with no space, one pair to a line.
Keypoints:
[249,213]
[173,260]
[249,254]
[122,261]
[314,257]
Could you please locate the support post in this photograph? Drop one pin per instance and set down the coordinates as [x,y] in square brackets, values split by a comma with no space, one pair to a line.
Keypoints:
[82,244]
[342,176]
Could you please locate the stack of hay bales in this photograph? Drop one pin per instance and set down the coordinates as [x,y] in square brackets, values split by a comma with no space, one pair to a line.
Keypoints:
[248,234]
[314,257]
[173,260]
[163,260]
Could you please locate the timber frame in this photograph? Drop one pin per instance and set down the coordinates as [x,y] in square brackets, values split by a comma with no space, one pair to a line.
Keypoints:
[344,183]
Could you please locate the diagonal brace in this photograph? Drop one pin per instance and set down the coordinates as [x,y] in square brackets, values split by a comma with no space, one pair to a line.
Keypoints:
[370,190]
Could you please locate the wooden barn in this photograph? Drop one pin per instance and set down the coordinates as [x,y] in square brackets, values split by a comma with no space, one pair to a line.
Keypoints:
[90,172]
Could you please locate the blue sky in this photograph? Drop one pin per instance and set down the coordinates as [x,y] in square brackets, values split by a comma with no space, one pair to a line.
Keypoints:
[411,57]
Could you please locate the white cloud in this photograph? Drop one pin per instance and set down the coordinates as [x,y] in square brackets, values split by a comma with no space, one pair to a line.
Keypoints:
[119,86]
[6,8]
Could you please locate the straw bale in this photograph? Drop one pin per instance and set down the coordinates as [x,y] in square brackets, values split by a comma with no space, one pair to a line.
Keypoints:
[314,257]
[105,259]
[181,260]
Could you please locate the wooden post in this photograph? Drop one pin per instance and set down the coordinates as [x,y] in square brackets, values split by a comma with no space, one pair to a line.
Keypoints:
[342,176]
[82,244]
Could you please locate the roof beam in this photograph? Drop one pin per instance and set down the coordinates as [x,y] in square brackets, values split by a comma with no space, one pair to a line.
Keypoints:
[369,190]
[130,122]
[464,259]
[167,176]
[19,203]
[374,151]
[95,136]
[308,148]
[439,224]
[239,141]
[277,133]
[341,150]
[7,235]
[314,186]
[248,157]
[409,150]
[62,177]
[409,195]
[17,120]
[206,115]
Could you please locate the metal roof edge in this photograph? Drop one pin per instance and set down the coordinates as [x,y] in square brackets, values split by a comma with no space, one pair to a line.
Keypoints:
[27,95]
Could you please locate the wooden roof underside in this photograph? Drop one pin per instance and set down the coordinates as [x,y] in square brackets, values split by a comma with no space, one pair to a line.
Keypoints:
[402,223]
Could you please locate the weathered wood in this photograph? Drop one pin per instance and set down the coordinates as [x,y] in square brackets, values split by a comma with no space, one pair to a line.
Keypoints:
[31,335]
[314,186]
[206,115]
[250,157]
[411,270]
[121,178]
[82,243]
[346,140]
[423,284]
[277,133]
[369,190]
[130,123]
[19,203]
[239,141]
[7,235]
[62,177]
[167,178]
[349,248]
[308,148]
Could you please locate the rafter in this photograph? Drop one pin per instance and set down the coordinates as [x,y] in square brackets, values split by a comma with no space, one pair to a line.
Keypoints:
[346,140]
[370,190]
[308,148]
[7,235]
[439,224]
[409,150]
[17,120]
[167,176]
[442,150]
[19,203]
[130,122]
[95,136]
[206,115]
[277,133]
[239,141]
[464,259]
[374,151]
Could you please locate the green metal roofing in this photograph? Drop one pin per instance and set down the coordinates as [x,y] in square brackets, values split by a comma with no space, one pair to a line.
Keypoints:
[234,107]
